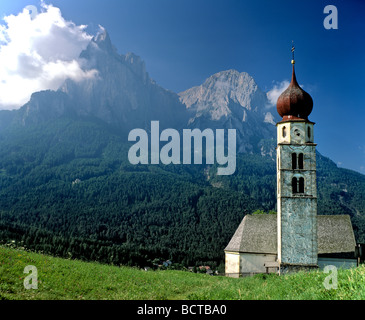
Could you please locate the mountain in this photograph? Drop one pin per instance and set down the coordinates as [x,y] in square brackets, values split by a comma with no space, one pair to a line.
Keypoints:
[233,100]
[67,187]
[120,94]
[123,95]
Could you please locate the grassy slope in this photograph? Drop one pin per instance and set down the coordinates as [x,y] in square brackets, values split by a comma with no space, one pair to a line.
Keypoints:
[60,279]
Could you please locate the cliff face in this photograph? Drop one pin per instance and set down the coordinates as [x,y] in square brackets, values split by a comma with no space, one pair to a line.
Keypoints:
[232,100]
[122,93]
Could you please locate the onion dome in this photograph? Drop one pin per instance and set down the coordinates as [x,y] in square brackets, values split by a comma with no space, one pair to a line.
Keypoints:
[294,103]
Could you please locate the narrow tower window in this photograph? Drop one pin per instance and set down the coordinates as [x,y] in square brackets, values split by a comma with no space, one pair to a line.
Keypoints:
[309,133]
[298,185]
[294,184]
[284,132]
[293,161]
[301,161]
[301,185]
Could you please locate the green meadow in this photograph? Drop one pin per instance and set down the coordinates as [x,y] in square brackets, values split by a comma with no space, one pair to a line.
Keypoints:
[62,279]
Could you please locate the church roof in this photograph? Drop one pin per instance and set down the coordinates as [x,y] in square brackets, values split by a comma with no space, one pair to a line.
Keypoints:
[255,234]
[258,234]
[335,234]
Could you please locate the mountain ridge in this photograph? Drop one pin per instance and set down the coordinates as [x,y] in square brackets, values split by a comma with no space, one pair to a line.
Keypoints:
[123,95]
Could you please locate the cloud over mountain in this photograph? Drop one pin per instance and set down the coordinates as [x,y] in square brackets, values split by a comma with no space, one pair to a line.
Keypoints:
[276,91]
[39,52]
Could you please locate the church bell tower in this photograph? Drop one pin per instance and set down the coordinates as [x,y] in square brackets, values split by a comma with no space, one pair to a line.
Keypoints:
[296,180]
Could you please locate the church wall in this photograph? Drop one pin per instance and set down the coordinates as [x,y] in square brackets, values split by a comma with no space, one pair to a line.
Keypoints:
[241,264]
[298,241]
[232,265]
[254,262]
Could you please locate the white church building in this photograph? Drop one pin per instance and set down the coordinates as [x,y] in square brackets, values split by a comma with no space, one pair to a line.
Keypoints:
[296,237]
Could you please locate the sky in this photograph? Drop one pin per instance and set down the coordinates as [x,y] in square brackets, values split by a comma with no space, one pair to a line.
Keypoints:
[183,42]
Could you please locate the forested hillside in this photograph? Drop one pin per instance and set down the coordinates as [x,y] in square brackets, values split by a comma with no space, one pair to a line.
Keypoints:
[68,189]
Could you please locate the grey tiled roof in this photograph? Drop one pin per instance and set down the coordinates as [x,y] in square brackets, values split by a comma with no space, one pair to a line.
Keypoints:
[258,234]
[335,234]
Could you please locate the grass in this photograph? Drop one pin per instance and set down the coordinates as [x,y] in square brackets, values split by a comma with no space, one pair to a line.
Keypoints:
[61,279]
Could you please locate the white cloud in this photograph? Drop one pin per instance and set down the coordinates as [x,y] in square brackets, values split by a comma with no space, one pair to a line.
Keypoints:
[276,91]
[39,53]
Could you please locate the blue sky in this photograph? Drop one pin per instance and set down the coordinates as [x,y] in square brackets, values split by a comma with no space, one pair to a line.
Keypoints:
[183,42]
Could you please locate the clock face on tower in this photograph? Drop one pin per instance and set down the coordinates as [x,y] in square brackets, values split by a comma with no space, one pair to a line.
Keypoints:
[297,135]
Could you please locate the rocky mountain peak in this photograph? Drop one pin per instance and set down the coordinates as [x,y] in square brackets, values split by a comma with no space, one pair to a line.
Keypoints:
[226,93]
[230,81]
[122,93]
[232,100]
[103,41]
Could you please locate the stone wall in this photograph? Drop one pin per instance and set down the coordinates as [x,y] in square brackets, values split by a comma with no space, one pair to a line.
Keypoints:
[298,226]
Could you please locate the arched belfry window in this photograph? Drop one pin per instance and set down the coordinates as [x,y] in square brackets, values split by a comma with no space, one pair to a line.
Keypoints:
[284,132]
[293,161]
[297,161]
[301,161]
[301,185]
[297,185]
[294,184]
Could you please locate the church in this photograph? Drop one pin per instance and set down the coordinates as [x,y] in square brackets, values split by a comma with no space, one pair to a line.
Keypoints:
[295,238]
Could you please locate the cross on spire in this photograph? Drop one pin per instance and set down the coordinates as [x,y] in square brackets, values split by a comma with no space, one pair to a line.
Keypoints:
[293,50]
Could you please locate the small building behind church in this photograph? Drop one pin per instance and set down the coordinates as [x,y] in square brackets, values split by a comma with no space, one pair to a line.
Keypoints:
[295,238]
